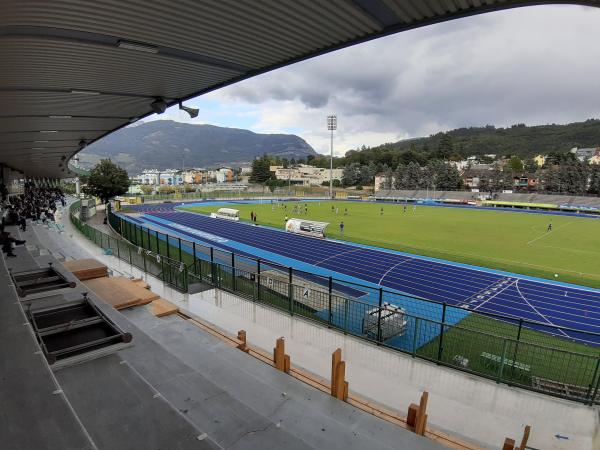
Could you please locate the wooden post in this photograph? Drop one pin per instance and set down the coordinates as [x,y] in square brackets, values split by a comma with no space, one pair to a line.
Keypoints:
[411,417]
[336,358]
[282,361]
[242,337]
[525,437]
[416,418]
[340,387]
[509,444]
[421,419]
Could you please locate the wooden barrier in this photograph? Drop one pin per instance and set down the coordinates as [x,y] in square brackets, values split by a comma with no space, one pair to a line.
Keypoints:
[416,418]
[325,386]
[282,361]
[243,345]
[509,444]
[339,385]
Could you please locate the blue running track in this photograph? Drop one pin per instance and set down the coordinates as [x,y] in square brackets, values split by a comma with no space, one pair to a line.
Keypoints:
[467,287]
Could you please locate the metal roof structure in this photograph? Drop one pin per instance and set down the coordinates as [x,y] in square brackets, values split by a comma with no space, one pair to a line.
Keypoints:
[74,70]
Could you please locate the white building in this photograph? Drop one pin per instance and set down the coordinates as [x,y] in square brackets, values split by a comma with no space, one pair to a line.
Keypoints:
[306,175]
[148,177]
[224,175]
[585,154]
[171,177]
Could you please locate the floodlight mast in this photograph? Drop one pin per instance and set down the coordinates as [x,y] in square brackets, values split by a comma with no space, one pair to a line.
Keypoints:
[331,125]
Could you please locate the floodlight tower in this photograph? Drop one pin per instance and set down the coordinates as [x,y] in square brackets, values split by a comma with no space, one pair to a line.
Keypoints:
[331,125]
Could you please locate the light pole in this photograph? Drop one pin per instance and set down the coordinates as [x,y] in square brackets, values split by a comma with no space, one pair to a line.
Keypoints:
[331,125]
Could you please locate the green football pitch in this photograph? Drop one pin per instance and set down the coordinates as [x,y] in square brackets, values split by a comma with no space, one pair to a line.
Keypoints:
[515,242]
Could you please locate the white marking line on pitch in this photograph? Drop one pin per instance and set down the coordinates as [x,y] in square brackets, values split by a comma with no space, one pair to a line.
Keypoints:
[339,254]
[536,310]
[393,267]
[547,233]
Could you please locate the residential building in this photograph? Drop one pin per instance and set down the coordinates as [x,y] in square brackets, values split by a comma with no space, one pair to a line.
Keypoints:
[540,160]
[306,175]
[525,183]
[585,154]
[461,165]
[380,180]
[148,177]
[195,176]
[224,175]
[171,177]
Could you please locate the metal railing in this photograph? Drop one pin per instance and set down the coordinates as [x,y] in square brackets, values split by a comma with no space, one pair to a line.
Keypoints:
[505,349]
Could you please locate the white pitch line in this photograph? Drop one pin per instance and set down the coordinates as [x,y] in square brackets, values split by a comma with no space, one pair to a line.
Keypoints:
[536,311]
[391,268]
[547,233]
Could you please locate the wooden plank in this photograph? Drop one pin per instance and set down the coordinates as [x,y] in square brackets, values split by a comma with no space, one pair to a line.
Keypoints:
[243,346]
[279,354]
[162,308]
[421,419]
[411,417]
[141,283]
[525,437]
[340,380]
[112,293]
[86,269]
[336,357]
[509,444]
[145,296]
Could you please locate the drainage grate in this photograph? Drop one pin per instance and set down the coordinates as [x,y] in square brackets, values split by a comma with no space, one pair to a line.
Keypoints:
[39,280]
[75,332]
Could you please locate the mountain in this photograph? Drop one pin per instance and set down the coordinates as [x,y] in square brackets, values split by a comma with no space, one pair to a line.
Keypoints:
[521,140]
[168,144]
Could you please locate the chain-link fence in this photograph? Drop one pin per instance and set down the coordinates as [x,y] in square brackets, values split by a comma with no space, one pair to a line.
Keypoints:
[506,349]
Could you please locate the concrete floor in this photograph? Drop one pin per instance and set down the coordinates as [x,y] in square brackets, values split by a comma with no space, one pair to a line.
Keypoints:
[176,387]
[477,409]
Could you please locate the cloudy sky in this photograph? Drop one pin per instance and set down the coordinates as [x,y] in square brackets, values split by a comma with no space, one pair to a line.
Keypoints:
[533,65]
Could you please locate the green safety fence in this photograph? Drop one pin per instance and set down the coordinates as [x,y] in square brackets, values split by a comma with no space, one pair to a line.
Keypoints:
[506,351]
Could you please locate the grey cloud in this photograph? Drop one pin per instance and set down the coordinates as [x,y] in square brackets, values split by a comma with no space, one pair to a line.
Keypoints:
[534,65]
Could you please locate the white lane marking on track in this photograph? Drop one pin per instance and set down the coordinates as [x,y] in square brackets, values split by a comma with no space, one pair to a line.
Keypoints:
[338,254]
[393,267]
[548,233]
[495,295]
[536,310]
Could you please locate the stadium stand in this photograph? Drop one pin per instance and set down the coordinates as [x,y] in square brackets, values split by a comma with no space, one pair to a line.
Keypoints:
[560,201]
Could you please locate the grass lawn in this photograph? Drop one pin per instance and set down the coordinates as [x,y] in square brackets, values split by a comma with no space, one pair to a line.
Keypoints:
[508,241]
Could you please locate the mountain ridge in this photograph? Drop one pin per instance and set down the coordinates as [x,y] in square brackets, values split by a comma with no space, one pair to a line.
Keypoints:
[167,144]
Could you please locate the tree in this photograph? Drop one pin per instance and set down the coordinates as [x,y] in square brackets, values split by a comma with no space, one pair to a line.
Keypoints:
[594,187]
[412,176]
[530,166]
[107,180]
[260,169]
[399,175]
[515,164]
[147,189]
[388,179]
[367,174]
[351,174]
[498,180]
[573,177]
[445,147]
[447,177]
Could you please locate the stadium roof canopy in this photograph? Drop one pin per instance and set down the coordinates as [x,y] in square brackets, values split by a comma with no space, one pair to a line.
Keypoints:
[74,70]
